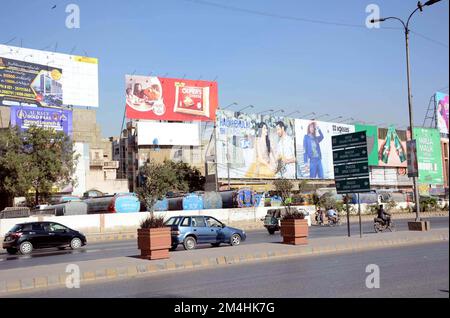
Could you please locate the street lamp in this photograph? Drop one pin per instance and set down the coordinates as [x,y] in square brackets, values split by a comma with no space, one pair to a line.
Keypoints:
[294,112]
[265,111]
[347,119]
[232,104]
[408,76]
[332,120]
[249,106]
[313,113]
[321,116]
[277,111]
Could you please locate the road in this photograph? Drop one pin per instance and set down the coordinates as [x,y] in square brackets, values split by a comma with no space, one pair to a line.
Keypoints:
[129,247]
[412,271]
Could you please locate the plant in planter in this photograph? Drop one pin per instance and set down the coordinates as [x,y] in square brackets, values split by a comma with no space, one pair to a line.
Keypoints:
[294,227]
[154,239]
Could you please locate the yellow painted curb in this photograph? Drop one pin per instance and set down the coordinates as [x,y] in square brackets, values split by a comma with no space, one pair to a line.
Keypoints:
[13,285]
[88,276]
[40,282]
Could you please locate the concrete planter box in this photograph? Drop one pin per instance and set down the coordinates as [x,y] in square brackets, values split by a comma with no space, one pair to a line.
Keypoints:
[419,226]
[154,243]
[294,231]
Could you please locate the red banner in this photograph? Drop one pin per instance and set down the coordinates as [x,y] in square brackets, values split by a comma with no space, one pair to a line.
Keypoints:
[157,98]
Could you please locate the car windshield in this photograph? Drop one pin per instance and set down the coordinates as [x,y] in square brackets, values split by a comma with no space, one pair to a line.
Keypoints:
[173,221]
[16,228]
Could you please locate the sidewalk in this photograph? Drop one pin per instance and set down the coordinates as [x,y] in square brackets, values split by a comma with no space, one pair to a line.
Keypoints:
[32,278]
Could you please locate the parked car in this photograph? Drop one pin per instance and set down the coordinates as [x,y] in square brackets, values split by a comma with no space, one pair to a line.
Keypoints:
[25,237]
[193,230]
[272,220]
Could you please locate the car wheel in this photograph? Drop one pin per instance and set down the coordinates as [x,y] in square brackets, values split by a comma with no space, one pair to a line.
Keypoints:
[11,251]
[235,240]
[271,231]
[189,243]
[75,243]
[26,248]
[215,244]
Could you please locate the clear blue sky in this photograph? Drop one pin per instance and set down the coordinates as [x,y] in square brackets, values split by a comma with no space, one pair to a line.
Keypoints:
[259,60]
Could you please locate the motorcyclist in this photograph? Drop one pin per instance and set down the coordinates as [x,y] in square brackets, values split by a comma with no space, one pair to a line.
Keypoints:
[383,215]
[332,215]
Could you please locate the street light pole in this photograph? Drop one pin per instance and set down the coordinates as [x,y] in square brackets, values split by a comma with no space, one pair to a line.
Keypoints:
[408,76]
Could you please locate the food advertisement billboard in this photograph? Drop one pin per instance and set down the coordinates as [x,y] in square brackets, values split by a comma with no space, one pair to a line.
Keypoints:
[255,146]
[58,119]
[442,112]
[429,156]
[392,147]
[314,147]
[158,98]
[31,77]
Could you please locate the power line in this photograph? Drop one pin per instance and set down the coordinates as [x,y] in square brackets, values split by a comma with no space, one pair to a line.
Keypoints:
[429,39]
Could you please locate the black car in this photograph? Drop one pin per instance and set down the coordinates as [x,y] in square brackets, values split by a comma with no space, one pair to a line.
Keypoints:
[25,237]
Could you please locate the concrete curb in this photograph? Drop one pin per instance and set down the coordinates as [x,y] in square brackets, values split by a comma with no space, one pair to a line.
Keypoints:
[113,273]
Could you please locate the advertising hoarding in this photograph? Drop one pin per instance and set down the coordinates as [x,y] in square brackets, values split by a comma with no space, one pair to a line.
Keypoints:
[372,142]
[255,146]
[29,83]
[79,76]
[314,147]
[175,134]
[392,147]
[429,156]
[58,119]
[441,100]
[157,98]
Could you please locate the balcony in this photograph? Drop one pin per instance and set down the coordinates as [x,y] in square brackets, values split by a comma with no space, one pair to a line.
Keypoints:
[111,164]
[96,162]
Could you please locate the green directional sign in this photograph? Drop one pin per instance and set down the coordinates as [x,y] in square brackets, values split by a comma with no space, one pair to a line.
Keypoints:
[351,170]
[349,140]
[350,155]
[353,185]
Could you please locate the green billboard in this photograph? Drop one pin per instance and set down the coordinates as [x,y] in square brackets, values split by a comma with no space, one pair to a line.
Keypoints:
[372,142]
[429,155]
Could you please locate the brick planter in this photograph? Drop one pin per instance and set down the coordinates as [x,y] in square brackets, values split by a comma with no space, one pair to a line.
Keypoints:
[154,243]
[294,231]
[419,226]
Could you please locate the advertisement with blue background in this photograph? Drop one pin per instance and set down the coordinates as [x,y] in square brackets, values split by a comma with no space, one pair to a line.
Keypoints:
[58,119]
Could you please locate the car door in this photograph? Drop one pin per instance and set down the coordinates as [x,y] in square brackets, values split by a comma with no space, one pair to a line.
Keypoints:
[34,234]
[214,229]
[59,234]
[200,229]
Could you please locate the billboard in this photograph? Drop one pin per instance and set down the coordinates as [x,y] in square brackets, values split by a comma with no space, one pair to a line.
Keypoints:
[314,147]
[441,100]
[74,80]
[157,98]
[175,134]
[392,147]
[58,119]
[429,156]
[372,142]
[24,83]
[255,146]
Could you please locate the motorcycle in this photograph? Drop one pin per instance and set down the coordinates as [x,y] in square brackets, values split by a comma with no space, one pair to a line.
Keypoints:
[332,222]
[381,226]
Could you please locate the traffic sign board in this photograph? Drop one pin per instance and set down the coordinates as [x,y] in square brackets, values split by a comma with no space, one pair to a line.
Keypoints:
[351,170]
[353,185]
[349,140]
[350,155]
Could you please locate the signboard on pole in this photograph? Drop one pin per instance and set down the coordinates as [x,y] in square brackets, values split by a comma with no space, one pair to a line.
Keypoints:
[351,166]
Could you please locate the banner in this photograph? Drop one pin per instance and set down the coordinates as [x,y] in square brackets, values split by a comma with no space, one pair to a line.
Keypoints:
[255,146]
[170,99]
[58,119]
[392,147]
[314,148]
[73,82]
[441,100]
[372,142]
[175,134]
[29,84]
[429,156]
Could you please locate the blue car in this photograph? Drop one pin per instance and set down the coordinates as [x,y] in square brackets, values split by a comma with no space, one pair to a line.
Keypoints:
[193,230]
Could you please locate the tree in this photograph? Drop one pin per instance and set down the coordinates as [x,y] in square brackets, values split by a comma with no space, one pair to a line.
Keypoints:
[36,160]
[157,179]
[283,187]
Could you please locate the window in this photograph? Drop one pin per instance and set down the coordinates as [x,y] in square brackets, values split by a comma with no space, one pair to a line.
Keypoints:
[212,222]
[173,221]
[198,221]
[186,222]
[54,227]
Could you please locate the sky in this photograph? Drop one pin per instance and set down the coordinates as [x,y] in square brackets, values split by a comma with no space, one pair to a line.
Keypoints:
[261,52]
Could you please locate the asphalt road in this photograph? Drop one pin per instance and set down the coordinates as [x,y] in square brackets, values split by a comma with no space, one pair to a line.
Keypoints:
[96,251]
[413,271]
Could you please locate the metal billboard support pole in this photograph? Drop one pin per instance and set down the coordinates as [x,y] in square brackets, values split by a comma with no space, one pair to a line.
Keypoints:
[348,216]
[359,213]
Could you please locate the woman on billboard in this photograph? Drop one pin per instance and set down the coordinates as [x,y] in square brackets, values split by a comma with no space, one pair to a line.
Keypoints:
[312,154]
[264,165]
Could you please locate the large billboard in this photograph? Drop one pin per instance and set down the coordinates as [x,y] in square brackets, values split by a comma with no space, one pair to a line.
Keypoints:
[174,134]
[441,100]
[57,79]
[314,148]
[24,83]
[58,119]
[372,142]
[392,147]
[157,98]
[429,156]
[255,146]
